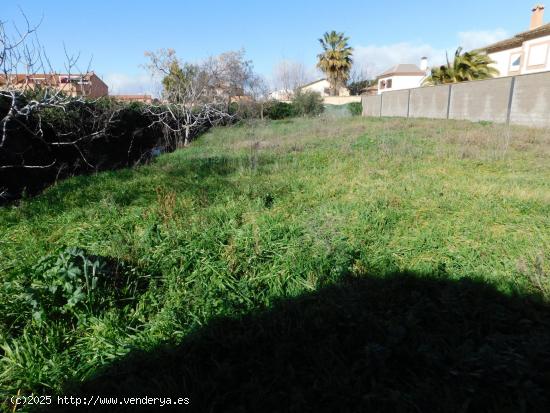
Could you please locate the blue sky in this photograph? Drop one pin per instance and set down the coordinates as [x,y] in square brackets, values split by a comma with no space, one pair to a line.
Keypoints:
[115,34]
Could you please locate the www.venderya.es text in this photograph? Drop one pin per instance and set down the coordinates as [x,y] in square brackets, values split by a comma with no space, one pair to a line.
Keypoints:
[99,401]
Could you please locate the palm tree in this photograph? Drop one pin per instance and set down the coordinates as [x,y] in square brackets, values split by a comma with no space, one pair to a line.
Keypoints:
[335,61]
[466,66]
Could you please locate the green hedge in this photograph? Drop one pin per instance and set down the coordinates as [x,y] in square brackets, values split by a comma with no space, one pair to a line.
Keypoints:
[355,108]
[303,104]
[280,110]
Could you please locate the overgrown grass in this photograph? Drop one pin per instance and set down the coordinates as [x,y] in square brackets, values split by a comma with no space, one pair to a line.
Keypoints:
[255,213]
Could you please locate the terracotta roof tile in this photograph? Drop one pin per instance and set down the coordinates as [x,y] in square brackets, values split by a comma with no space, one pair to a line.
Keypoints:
[518,39]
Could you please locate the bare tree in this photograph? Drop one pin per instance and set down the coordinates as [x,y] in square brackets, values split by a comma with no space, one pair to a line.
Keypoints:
[195,95]
[358,74]
[14,50]
[259,92]
[288,76]
[230,73]
[358,79]
[22,51]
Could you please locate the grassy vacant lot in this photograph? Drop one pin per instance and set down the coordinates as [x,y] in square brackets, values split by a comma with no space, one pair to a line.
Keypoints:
[306,265]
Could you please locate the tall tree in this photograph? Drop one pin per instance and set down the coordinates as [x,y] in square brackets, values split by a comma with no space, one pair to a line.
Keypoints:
[466,66]
[336,59]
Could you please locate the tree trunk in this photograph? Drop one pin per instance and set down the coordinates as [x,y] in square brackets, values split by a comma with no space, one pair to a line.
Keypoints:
[186,142]
[333,87]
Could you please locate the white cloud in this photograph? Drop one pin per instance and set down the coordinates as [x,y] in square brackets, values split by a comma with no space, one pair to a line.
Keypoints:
[121,84]
[478,38]
[377,58]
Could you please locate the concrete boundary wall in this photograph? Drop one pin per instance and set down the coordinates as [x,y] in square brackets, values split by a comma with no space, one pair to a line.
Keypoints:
[530,103]
[395,103]
[371,105]
[486,100]
[429,102]
[520,100]
[340,100]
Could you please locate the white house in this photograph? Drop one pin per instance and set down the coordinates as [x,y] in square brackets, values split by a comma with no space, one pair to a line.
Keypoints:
[322,86]
[402,76]
[282,95]
[526,52]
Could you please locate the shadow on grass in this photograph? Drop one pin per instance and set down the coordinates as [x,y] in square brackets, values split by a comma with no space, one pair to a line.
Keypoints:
[400,343]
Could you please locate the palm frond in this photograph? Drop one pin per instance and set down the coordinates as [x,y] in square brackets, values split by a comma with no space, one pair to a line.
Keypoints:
[467,66]
[336,59]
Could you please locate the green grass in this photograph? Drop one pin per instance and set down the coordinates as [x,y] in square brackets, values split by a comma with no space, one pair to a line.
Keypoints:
[262,212]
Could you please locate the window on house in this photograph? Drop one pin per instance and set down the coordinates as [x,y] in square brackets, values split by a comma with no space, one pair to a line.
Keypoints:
[389,83]
[74,79]
[382,84]
[538,55]
[515,62]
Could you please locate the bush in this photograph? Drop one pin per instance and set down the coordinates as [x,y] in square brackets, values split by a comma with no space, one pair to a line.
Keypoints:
[279,110]
[303,104]
[48,143]
[71,284]
[307,104]
[252,110]
[355,108]
[108,136]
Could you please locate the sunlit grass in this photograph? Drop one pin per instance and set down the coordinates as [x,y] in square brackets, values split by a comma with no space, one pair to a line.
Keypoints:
[260,211]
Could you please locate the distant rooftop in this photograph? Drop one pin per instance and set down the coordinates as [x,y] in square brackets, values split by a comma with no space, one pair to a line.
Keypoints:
[407,69]
[312,83]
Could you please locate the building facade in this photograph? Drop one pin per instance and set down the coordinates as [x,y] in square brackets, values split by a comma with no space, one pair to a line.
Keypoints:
[526,52]
[134,98]
[322,86]
[82,84]
[402,76]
